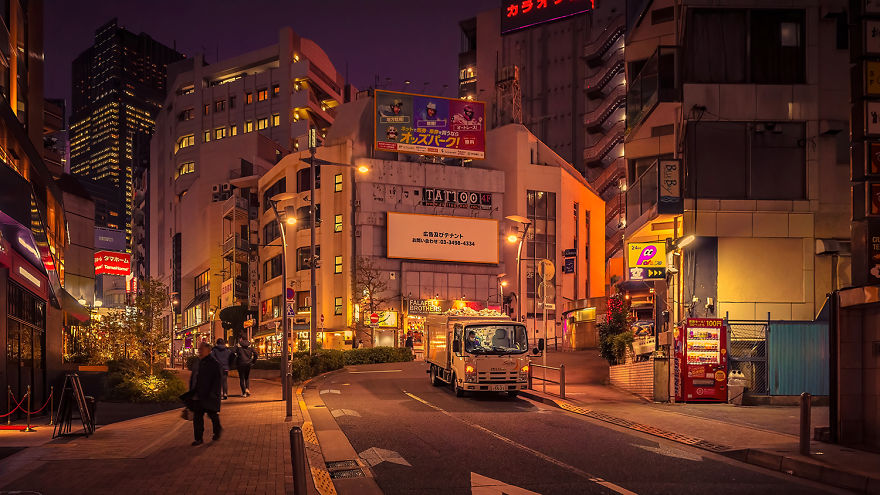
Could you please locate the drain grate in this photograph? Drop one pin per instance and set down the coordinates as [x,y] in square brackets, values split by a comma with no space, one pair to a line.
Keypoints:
[347,473]
[337,465]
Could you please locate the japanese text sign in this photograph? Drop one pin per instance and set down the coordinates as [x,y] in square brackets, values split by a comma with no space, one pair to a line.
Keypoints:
[646,260]
[429,125]
[518,14]
[111,263]
[442,238]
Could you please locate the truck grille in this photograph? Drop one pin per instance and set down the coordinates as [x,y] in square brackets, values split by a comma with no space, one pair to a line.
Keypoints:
[497,376]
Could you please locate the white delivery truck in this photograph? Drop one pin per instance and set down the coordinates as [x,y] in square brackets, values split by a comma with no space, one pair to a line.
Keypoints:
[479,352]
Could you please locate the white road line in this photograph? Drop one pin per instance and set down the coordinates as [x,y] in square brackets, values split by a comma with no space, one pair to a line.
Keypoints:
[377,371]
[540,455]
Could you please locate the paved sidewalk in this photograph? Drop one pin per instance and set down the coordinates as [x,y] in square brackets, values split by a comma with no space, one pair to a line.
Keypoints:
[152,454]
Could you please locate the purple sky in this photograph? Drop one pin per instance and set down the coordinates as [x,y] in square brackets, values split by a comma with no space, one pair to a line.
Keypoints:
[416,40]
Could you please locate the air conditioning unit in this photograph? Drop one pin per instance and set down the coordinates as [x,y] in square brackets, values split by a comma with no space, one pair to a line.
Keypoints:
[215,188]
[216,197]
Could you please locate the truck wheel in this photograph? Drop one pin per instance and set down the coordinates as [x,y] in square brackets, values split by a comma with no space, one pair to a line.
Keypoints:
[459,392]
[435,380]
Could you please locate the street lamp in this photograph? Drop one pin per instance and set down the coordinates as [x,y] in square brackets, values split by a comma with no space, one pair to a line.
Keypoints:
[525,222]
[285,381]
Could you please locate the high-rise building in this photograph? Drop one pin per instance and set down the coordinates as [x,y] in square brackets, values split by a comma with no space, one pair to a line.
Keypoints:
[118,88]
[222,126]
[556,68]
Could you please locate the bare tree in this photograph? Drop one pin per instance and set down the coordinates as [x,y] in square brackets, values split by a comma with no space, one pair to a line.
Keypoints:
[370,290]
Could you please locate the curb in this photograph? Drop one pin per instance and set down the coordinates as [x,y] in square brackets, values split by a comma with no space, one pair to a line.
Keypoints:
[770,460]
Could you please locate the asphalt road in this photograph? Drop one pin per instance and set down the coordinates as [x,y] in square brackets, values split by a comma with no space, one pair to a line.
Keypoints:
[422,439]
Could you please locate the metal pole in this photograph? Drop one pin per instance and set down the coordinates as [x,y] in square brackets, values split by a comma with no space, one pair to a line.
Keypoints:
[8,404]
[313,291]
[28,427]
[546,347]
[298,461]
[562,380]
[805,424]
[519,297]
[285,383]
[52,404]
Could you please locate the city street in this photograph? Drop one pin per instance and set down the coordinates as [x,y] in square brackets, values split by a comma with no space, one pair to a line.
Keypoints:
[422,439]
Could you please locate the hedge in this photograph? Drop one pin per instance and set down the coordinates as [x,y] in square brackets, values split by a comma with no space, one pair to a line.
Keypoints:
[131,381]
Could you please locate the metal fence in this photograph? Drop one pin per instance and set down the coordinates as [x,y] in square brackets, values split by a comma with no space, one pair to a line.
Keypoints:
[747,352]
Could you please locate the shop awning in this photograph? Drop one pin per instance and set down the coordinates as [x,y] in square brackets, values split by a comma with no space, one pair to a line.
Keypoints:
[73,308]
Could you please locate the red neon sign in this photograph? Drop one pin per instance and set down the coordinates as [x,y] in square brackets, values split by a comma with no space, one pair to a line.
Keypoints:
[110,263]
[518,14]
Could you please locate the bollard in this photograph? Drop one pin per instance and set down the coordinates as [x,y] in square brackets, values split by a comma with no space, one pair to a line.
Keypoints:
[8,405]
[51,405]
[28,428]
[530,377]
[805,424]
[562,380]
[298,461]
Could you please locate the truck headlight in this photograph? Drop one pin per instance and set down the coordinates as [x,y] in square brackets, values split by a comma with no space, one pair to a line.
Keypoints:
[524,372]
[470,373]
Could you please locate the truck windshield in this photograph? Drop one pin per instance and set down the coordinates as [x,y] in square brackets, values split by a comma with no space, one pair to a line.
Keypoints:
[495,339]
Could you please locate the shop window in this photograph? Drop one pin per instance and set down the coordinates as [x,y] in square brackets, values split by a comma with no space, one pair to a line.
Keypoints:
[337,264]
[337,223]
[262,123]
[337,182]
[337,306]
[276,120]
[304,257]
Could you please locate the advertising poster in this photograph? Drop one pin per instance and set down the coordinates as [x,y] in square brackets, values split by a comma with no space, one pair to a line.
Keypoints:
[442,238]
[429,125]
[111,263]
[646,260]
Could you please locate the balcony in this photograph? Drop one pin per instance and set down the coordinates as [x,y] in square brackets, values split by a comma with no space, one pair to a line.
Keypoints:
[236,248]
[642,196]
[595,119]
[657,83]
[600,153]
[599,84]
[235,208]
[607,44]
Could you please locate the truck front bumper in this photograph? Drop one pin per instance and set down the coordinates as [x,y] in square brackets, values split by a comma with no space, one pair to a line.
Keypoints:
[494,387]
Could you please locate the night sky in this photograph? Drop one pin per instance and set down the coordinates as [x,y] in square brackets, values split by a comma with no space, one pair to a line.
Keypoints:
[417,40]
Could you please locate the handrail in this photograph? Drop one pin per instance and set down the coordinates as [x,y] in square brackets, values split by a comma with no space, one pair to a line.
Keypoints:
[614,171]
[545,381]
[611,139]
[608,106]
[600,79]
[601,44]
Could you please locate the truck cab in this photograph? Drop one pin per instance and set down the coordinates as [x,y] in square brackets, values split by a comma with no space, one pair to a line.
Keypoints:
[479,354]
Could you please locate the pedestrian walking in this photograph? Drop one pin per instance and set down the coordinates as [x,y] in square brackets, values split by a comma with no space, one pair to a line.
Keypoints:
[204,394]
[245,357]
[223,356]
[408,343]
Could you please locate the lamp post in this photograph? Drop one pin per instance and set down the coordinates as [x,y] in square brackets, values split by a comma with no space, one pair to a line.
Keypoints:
[313,287]
[291,219]
[525,222]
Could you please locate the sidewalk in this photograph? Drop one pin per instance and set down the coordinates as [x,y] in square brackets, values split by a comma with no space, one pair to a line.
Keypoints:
[153,454]
[761,435]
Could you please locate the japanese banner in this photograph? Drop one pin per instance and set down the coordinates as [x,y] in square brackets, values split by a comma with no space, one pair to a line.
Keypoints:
[110,263]
[518,14]
[442,238]
[429,125]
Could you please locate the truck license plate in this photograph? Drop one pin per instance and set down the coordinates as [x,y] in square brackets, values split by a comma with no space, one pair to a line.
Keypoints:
[498,388]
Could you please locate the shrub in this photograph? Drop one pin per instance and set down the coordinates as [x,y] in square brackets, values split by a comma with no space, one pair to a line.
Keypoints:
[164,386]
[615,335]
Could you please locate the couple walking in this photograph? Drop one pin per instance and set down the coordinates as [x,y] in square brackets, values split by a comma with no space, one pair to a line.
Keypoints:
[209,378]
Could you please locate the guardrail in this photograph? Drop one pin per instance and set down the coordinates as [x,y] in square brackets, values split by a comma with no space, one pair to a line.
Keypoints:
[545,381]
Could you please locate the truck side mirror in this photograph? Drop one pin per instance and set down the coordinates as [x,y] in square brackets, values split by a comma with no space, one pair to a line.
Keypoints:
[541,345]
[456,346]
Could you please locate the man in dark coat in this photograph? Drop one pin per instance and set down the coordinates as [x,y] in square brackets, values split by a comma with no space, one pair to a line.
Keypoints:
[223,355]
[206,393]
[245,357]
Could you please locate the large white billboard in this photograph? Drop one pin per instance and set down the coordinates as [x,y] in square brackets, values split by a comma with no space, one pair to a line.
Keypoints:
[442,238]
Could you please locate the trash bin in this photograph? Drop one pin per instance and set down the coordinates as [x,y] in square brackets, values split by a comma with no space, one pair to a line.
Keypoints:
[91,405]
[736,386]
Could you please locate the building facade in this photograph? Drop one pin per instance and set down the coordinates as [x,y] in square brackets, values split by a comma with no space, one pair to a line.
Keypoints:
[118,87]
[223,126]
[736,135]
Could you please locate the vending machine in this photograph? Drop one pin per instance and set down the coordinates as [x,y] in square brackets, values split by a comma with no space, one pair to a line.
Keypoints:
[701,360]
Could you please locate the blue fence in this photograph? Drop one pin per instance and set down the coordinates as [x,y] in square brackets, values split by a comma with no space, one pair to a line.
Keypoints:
[798,357]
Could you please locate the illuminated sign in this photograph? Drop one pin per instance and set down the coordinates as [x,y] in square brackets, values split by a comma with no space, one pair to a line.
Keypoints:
[524,13]
[429,125]
[450,198]
[442,238]
[30,277]
[647,260]
[111,263]
[383,319]
[423,306]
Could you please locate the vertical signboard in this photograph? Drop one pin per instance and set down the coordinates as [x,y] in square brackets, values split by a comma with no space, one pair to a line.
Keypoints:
[669,188]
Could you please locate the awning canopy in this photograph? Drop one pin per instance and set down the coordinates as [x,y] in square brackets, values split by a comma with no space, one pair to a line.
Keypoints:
[72,307]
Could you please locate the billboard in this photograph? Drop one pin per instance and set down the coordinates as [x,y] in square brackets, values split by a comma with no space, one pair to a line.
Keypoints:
[112,263]
[442,238]
[109,239]
[524,13]
[646,260]
[429,125]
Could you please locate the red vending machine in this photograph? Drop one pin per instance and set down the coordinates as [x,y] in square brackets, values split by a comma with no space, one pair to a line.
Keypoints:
[701,360]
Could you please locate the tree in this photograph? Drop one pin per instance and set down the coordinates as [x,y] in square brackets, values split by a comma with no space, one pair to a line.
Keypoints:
[146,312]
[615,335]
[370,289]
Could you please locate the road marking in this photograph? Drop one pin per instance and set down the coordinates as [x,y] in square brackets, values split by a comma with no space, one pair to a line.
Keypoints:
[377,371]
[345,412]
[483,485]
[374,456]
[329,391]
[668,452]
[538,454]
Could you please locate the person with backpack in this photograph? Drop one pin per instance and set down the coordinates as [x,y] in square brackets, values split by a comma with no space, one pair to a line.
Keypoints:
[245,357]
[223,356]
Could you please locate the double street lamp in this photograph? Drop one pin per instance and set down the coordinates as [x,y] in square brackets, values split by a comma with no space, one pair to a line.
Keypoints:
[513,238]
[290,219]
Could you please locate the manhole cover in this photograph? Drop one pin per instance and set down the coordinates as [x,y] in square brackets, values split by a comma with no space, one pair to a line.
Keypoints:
[337,465]
[347,473]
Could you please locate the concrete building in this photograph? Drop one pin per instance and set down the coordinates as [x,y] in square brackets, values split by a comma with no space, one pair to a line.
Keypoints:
[224,125]
[79,264]
[118,87]
[562,76]
[374,206]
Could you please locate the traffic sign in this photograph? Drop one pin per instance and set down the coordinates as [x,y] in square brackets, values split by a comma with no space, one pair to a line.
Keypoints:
[291,294]
[546,269]
[549,306]
[570,253]
[568,267]
[374,318]
[291,309]
[546,291]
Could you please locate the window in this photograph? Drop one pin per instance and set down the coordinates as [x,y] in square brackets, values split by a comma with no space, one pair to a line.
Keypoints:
[303,301]
[220,133]
[232,101]
[262,95]
[271,232]
[248,98]
[207,136]
[272,268]
[219,105]
[746,160]
[271,308]
[185,168]
[541,241]
[202,284]
[206,109]
[337,182]
[276,90]
[303,257]
[276,119]
[187,114]
[304,179]
[337,264]
[233,130]
[184,142]
[337,223]
[760,46]
[304,219]
[275,189]
[262,123]
[249,126]
[337,306]
[195,315]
